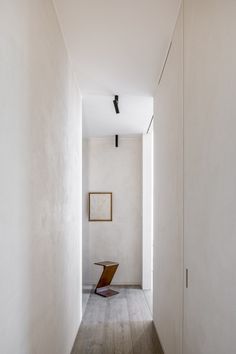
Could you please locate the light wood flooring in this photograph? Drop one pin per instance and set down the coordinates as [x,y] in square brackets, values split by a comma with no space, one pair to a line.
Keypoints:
[121,324]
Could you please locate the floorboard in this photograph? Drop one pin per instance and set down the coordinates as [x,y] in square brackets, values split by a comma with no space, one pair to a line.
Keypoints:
[121,324]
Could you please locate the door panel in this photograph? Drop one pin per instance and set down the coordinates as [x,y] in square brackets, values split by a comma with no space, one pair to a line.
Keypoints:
[168,227]
[210,176]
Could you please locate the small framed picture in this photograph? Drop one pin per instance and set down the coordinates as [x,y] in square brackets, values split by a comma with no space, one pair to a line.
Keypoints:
[100,206]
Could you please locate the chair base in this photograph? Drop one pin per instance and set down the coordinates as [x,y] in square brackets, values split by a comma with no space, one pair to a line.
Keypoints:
[106,292]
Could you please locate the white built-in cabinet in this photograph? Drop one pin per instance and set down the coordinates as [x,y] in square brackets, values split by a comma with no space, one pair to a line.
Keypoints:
[195,183]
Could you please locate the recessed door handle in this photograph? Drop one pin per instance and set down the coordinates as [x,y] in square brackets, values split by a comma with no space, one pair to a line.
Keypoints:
[186,278]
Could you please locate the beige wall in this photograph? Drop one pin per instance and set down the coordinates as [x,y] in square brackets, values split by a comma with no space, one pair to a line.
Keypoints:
[198,153]
[147,210]
[168,199]
[85,237]
[40,154]
[210,175]
[116,170]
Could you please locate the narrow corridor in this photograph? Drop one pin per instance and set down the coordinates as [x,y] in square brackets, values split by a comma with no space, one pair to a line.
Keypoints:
[120,324]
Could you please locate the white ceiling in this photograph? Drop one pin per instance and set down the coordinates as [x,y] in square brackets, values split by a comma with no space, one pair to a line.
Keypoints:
[117,47]
[100,118]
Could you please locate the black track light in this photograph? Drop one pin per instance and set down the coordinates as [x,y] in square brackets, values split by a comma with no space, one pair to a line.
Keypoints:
[116,141]
[115,102]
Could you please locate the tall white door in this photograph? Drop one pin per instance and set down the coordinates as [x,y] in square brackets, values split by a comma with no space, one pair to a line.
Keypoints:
[168,205]
[210,176]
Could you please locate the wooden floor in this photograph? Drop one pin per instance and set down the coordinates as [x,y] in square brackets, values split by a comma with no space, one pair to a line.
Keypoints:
[121,324]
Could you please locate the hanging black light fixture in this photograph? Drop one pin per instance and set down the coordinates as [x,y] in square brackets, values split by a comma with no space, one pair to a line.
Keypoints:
[115,102]
[116,141]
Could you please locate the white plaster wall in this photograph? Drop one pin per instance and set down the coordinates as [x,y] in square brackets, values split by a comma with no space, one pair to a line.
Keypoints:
[40,196]
[210,175]
[117,170]
[85,224]
[85,185]
[168,199]
[147,234]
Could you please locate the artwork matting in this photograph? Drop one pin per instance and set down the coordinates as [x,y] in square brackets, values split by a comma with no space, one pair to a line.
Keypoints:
[100,206]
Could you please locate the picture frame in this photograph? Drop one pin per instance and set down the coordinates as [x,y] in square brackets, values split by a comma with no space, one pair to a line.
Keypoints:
[100,206]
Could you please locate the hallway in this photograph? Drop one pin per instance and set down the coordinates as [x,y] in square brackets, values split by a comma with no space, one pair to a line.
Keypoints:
[118,143]
[120,324]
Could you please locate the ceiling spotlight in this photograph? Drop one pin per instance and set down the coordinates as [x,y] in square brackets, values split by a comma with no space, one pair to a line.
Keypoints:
[115,102]
[116,141]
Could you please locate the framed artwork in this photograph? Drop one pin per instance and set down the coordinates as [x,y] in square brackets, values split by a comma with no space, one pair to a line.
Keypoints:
[100,206]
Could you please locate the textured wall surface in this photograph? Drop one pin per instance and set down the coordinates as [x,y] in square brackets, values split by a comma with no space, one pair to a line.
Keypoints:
[40,154]
[147,198]
[85,224]
[168,199]
[117,170]
[210,175]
